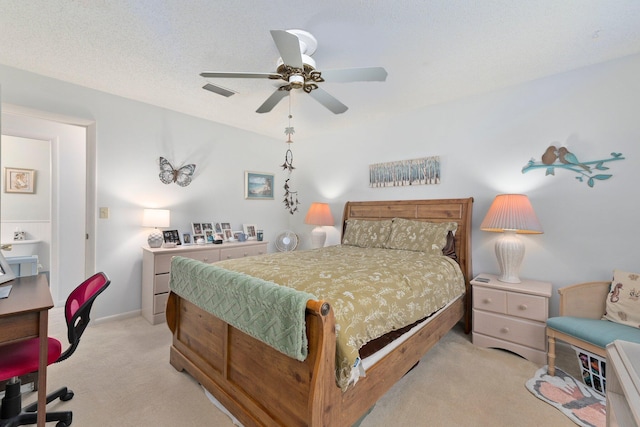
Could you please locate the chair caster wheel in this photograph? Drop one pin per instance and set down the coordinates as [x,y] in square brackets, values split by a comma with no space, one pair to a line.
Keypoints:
[65,397]
[62,424]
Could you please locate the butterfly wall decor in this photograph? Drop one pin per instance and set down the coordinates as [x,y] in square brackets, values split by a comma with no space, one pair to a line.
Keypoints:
[181,176]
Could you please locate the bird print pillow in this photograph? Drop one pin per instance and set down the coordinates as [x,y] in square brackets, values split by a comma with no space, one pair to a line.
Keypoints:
[623,300]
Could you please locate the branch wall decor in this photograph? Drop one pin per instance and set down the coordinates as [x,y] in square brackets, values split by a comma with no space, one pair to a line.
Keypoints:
[561,158]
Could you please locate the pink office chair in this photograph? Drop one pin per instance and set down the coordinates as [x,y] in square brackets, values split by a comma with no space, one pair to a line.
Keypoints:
[22,358]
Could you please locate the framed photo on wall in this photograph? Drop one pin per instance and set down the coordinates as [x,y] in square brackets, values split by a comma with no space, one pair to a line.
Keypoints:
[258,185]
[17,180]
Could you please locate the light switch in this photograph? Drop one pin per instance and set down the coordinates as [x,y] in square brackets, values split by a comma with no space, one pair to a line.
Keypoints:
[104,213]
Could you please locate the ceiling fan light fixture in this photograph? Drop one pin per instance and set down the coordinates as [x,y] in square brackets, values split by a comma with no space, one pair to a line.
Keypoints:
[296,81]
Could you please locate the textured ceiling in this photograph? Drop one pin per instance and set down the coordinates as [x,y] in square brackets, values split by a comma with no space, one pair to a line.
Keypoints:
[433,50]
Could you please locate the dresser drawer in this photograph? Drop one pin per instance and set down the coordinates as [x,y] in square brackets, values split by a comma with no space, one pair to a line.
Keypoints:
[207,255]
[489,299]
[241,252]
[527,306]
[519,331]
[162,263]
[160,303]
[161,283]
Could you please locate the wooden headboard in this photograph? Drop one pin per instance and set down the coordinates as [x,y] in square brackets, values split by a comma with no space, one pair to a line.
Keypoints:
[436,210]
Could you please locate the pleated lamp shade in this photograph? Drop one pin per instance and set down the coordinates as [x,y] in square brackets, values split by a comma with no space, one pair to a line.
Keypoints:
[319,214]
[511,214]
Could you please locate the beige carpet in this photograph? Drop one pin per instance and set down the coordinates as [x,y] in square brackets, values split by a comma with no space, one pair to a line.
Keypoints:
[121,376]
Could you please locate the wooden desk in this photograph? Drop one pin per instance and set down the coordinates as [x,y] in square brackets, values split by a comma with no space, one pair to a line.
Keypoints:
[25,315]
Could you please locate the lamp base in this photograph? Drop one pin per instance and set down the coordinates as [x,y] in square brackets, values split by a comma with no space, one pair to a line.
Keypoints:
[510,253]
[155,239]
[318,237]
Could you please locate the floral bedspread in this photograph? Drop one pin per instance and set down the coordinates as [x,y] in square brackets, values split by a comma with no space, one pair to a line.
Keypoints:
[372,291]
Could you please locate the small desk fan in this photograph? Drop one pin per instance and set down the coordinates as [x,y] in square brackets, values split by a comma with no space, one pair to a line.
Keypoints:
[286,241]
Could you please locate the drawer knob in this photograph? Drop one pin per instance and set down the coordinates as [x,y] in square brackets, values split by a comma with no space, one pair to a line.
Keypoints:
[523,307]
[504,330]
[487,300]
[206,259]
[245,254]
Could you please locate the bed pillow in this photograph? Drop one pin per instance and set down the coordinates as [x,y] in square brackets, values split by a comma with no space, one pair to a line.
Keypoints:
[623,300]
[420,236]
[366,233]
[450,247]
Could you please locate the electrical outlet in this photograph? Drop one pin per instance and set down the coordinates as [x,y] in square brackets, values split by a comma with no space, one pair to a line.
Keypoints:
[104,213]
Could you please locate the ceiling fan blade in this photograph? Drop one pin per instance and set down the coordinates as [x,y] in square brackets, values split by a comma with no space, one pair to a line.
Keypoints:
[369,74]
[289,47]
[272,101]
[324,98]
[239,75]
[218,89]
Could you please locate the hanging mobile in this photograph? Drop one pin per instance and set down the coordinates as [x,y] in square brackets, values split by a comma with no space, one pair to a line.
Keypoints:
[290,197]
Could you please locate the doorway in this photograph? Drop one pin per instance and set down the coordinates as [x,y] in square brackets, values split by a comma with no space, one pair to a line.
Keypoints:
[70,240]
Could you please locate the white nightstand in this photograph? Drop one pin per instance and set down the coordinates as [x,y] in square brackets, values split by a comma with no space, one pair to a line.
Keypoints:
[511,316]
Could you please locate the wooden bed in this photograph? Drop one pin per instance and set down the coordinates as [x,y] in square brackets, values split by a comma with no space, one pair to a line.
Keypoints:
[263,387]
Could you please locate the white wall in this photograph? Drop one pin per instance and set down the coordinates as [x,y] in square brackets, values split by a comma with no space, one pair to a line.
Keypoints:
[130,138]
[483,143]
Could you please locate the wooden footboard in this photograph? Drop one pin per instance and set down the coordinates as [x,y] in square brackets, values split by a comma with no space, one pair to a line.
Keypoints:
[263,387]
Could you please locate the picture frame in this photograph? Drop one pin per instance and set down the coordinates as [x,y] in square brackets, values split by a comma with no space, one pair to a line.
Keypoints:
[228,235]
[18,180]
[258,185]
[225,226]
[250,231]
[186,238]
[171,236]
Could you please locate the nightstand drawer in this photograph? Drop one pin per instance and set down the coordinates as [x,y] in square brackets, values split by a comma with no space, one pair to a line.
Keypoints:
[527,306]
[519,331]
[489,299]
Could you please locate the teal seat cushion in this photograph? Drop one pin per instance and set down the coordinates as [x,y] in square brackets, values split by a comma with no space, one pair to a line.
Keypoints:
[595,331]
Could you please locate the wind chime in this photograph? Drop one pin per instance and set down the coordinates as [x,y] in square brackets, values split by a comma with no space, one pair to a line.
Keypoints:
[290,197]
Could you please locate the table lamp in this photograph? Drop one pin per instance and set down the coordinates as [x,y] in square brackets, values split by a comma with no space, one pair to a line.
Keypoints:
[319,215]
[156,218]
[511,214]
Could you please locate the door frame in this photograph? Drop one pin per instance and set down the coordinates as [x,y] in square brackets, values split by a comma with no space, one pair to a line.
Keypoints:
[91,182]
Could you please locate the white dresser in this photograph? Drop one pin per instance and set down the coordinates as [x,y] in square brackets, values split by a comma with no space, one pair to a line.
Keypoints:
[511,316]
[156,266]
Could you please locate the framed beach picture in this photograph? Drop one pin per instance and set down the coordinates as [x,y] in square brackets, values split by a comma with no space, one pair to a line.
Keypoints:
[258,185]
[18,180]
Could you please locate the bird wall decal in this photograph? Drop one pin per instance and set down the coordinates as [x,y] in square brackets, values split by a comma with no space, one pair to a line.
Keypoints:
[561,158]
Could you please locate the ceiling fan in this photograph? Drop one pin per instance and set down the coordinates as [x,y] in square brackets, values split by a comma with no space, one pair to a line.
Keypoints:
[296,67]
